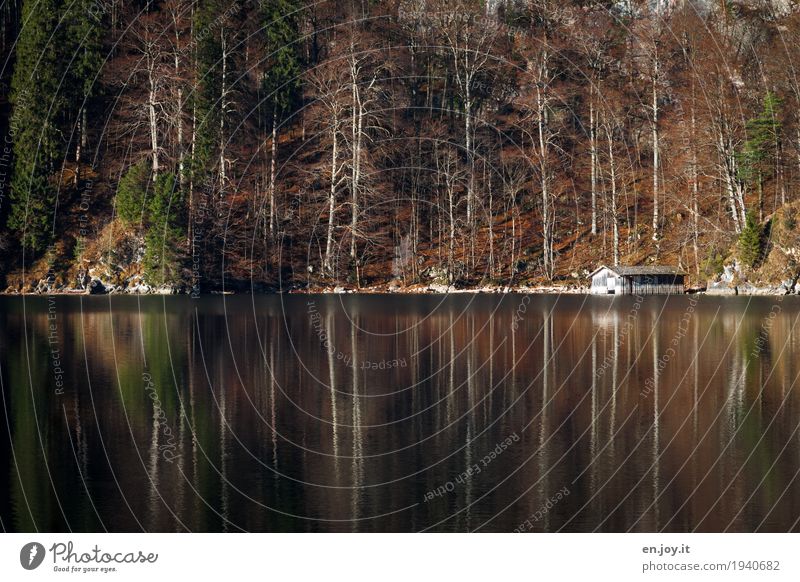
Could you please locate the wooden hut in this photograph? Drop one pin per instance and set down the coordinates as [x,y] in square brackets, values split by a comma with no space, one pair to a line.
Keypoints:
[650,280]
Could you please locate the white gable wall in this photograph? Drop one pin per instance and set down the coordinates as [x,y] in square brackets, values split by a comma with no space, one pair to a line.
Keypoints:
[600,281]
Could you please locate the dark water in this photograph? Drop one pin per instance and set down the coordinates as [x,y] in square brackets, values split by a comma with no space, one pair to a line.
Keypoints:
[402,413]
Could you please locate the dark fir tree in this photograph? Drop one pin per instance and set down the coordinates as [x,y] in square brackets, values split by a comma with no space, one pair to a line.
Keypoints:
[750,241]
[85,59]
[214,73]
[132,194]
[36,102]
[164,231]
[281,80]
[757,158]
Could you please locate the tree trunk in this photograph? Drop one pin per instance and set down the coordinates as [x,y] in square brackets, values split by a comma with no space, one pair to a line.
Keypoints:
[613,180]
[222,110]
[593,157]
[468,129]
[273,157]
[356,120]
[488,181]
[547,234]
[79,143]
[655,152]
[179,121]
[332,197]
[695,191]
[727,156]
[151,108]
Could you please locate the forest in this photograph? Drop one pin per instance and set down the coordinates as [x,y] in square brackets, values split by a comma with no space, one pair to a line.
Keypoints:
[202,145]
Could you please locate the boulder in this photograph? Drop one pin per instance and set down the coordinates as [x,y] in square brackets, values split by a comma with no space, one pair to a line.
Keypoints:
[82,280]
[746,289]
[138,289]
[96,287]
[438,288]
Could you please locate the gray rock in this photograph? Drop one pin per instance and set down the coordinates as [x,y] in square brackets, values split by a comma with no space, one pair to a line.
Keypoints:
[720,288]
[437,288]
[138,289]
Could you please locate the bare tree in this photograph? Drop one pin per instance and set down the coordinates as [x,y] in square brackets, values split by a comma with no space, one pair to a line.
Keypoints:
[469,39]
[364,94]
[331,89]
[151,45]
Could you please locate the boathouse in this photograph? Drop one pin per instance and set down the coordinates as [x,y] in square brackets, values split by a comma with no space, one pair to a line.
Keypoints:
[649,280]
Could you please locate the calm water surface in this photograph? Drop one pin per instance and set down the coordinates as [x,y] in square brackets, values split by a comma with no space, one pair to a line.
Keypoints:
[400,413]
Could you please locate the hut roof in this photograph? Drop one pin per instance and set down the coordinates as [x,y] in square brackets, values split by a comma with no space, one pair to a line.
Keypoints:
[622,270]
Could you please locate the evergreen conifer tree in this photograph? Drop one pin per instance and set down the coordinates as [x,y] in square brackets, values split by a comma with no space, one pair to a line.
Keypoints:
[164,231]
[36,102]
[750,241]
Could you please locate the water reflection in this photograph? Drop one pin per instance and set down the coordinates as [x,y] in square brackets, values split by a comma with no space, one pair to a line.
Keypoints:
[379,413]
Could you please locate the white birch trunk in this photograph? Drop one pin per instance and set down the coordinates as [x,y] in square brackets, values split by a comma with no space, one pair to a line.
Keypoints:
[593,156]
[332,197]
[153,120]
[655,153]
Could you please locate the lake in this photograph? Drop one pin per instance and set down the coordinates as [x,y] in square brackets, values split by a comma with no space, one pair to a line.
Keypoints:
[400,413]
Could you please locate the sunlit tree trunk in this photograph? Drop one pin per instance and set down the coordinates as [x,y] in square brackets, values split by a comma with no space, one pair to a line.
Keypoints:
[272,160]
[223,177]
[656,147]
[613,204]
[151,114]
[332,197]
[593,157]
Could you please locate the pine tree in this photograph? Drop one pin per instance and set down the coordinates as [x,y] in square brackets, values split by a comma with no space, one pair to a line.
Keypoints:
[164,231]
[132,193]
[750,241]
[756,159]
[36,105]
[214,74]
[281,81]
[85,59]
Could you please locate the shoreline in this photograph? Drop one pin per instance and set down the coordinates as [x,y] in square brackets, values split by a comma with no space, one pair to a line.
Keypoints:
[388,290]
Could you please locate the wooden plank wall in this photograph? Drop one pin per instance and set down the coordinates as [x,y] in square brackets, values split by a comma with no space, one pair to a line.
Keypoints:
[655,285]
[641,284]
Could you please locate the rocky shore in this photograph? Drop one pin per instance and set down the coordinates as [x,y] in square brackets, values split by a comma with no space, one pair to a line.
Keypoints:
[732,281]
[98,287]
